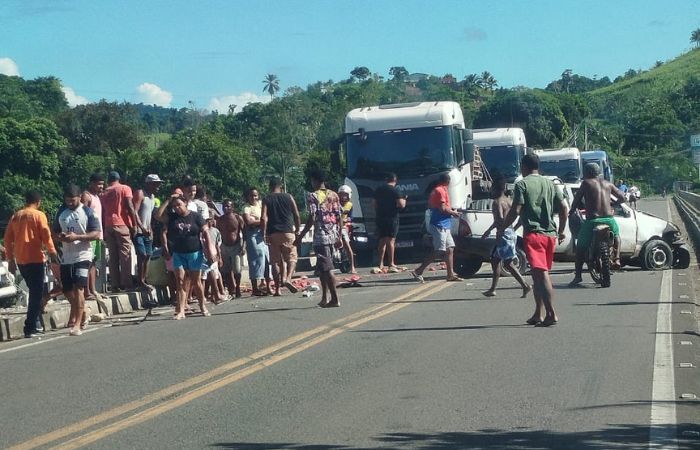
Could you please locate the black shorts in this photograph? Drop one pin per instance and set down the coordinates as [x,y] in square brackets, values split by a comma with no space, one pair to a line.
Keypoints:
[387,228]
[324,258]
[75,276]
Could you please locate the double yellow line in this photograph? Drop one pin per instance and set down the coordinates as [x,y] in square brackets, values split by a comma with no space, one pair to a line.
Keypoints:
[186,391]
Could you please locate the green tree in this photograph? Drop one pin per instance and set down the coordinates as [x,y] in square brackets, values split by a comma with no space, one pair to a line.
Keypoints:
[537,112]
[695,37]
[398,73]
[210,157]
[566,80]
[30,153]
[361,73]
[102,128]
[487,81]
[271,84]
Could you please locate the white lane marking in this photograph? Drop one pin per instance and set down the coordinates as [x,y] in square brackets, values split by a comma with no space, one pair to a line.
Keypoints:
[52,339]
[662,433]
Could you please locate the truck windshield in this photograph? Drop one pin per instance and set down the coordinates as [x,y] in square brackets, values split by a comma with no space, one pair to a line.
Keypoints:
[502,160]
[567,169]
[407,152]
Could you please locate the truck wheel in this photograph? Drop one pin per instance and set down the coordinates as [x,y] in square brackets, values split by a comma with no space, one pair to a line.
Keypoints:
[467,267]
[656,255]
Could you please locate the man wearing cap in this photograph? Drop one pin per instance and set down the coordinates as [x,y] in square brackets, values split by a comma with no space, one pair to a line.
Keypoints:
[119,219]
[144,203]
[595,196]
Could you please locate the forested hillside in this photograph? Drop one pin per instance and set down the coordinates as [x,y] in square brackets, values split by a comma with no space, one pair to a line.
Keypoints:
[642,118]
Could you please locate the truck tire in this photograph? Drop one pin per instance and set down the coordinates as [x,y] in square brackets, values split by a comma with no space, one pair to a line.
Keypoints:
[656,255]
[467,267]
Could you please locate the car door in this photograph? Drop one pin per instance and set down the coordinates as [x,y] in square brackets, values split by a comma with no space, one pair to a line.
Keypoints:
[627,222]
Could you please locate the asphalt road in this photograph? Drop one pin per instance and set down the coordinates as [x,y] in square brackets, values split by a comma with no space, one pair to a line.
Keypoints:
[399,365]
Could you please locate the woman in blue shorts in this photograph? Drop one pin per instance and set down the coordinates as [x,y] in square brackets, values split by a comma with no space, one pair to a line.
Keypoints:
[185,232]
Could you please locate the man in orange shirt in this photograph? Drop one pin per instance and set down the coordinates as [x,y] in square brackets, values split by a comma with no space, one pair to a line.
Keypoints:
[440,229]
[119,218]
[27,234]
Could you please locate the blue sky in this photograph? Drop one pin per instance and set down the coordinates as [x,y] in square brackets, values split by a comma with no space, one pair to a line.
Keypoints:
[216,52]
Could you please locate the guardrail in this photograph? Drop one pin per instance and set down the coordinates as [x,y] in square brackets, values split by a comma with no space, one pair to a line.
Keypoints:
[688,205]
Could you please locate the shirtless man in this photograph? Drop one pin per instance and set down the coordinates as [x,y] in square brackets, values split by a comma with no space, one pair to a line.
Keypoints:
[233,247]
[504,253]
[597,193]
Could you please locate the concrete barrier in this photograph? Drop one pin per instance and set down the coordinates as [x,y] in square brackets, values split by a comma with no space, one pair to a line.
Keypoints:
[12,327]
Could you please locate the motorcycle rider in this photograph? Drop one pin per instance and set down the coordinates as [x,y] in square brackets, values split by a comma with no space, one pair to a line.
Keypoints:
[595,195]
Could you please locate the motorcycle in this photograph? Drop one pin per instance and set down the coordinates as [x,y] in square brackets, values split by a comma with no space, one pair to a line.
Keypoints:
[600,255]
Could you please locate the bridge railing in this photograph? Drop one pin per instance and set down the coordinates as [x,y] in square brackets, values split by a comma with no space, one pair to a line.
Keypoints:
[688,205]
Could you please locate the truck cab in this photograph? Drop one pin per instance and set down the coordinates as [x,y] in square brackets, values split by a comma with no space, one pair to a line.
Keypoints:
[501,150]
[599,157]
[417,141]
[564,163]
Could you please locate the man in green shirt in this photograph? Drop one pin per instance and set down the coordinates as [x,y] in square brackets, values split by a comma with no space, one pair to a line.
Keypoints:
[536,200]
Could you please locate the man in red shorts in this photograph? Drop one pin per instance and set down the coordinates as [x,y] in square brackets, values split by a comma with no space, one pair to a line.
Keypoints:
[536,200]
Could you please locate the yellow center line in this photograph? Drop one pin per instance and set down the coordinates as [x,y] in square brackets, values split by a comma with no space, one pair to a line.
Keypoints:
[187,397]
[201,378]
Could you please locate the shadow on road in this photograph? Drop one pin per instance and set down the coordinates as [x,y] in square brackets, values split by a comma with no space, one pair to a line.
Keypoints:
[614,436]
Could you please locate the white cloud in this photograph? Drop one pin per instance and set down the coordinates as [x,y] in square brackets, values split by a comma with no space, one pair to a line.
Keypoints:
[152,94]
[221,104]
[73,98]
[9,67]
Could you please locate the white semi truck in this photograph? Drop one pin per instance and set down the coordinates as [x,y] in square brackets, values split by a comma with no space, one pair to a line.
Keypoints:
[501,150]
[417,141]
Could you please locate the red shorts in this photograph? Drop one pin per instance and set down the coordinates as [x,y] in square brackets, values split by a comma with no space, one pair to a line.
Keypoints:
[539,249]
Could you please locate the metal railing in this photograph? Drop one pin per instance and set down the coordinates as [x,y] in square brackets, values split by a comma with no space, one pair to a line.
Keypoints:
[688,205]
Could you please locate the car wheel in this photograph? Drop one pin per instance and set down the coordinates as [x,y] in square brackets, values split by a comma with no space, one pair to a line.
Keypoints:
[468,266]
[656,255]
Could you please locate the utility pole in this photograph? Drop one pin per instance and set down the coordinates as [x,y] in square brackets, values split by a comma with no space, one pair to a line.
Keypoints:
[585,136]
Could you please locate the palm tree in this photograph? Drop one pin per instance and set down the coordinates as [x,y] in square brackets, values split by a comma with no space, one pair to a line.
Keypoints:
[695,37]
[487,81]
[272,84]
[471,84]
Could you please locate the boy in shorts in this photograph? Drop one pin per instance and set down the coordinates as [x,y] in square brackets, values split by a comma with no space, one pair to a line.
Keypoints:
[504,253]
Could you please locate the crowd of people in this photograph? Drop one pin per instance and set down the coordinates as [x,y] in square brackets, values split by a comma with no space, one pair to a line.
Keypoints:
[203,246]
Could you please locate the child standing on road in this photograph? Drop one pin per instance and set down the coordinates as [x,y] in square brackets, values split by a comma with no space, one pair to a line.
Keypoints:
[504,253]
